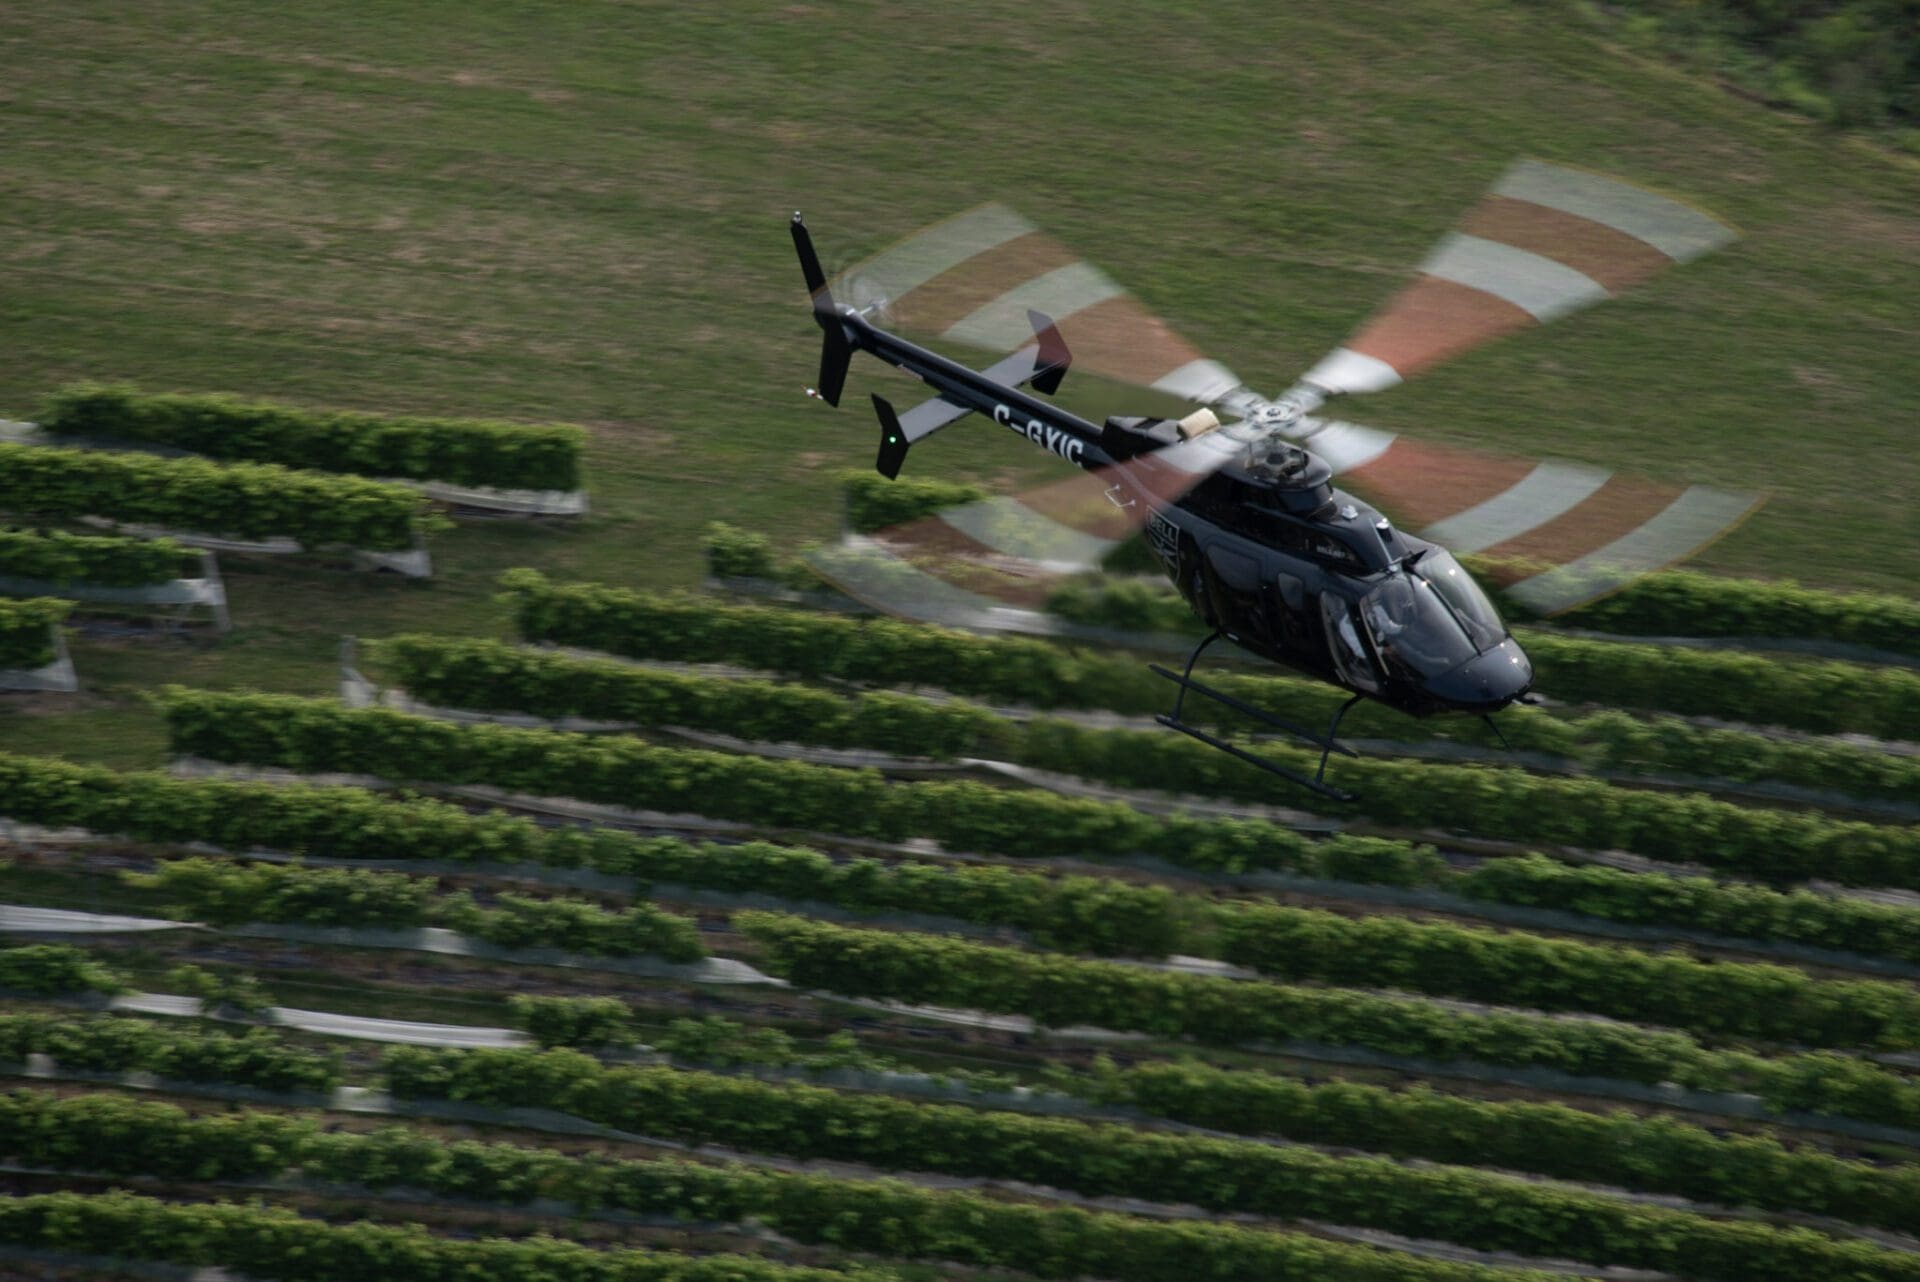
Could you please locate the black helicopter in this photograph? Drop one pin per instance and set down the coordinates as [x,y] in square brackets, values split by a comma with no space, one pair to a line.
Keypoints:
[1247,523]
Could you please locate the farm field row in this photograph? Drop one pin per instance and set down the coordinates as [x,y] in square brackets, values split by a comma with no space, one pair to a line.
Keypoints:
[1090,1159]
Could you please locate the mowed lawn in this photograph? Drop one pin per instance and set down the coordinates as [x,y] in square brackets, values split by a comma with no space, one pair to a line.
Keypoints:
[577,212]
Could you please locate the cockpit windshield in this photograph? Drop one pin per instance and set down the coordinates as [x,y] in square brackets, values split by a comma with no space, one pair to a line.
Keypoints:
[1430,617]
[1412,628]
[1457,588]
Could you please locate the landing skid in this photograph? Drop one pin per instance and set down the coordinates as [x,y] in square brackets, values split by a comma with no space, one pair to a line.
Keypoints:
[1325,742]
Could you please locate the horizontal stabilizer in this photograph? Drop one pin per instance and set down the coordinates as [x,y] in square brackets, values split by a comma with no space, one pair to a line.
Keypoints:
[1042,365]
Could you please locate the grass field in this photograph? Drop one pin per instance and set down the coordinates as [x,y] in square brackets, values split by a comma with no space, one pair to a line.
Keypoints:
[575,212]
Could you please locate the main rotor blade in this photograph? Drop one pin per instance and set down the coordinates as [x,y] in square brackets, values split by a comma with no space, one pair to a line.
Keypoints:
[972,279]
[1545,241]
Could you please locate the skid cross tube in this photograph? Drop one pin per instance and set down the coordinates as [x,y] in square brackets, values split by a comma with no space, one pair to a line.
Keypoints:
[1326,743]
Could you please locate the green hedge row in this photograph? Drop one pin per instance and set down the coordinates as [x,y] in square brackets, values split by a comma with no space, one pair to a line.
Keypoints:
[25,641]
[475,673]
[1810,695]
[1095,915]
[1658,1153]
[97,560]
[272,1242]
[1717,998]
[1776,845]
[116,1136]
[1474,1208]
[1073,913]
[110,1043]
[1653,1153]
[1817,695]
[488,674]
[1060,992]
[1698,903]
[1489,802]
[51,970]
[223,893]
[319,735]
[1686,603]
[1078,913]
[241,500]
[460,450]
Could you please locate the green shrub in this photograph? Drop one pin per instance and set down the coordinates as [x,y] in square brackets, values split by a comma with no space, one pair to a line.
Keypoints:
[238,500]
[96,560]
[26,639]
[462,451]
[573,1021]
[874,502]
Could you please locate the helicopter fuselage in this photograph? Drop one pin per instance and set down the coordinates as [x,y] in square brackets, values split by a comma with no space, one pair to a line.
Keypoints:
[1298,593]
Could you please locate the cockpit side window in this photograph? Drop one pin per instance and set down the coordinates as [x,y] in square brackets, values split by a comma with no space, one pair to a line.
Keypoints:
[1350,657]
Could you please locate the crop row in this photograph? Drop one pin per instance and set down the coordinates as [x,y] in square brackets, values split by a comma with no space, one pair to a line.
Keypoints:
[1474,1208]
[1809,695]
[1665,603]
[463,451]
[110,1043]
[1719,998]
[1086,914]
[1658,1152]
[241,500]
[223,893]
[1063,992]
[319,735]
[101,560]
[46,970]
[116,1136]
[1739,999]
[112,1136]
[491,675]
[1654,1153]
[270,1242]
[25,641]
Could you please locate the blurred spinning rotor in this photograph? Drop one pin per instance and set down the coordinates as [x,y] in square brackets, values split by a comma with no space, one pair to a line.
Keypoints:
[1545,241]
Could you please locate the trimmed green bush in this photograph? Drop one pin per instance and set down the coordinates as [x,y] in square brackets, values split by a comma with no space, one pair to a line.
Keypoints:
[273,1242]
[108,1135]
[239,500]
[573,1021]
[1477,1208]
[25,636]
[96,560]
[53,970]
[1061,992]
[114,1043]
[462,451]
[224,893]
[874,502]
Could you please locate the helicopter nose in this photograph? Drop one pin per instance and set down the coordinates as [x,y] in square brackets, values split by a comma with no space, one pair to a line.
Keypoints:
[1486,682]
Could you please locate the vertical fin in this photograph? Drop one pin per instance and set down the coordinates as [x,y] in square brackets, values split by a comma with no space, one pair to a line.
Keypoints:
[893,440]
[1054,356]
